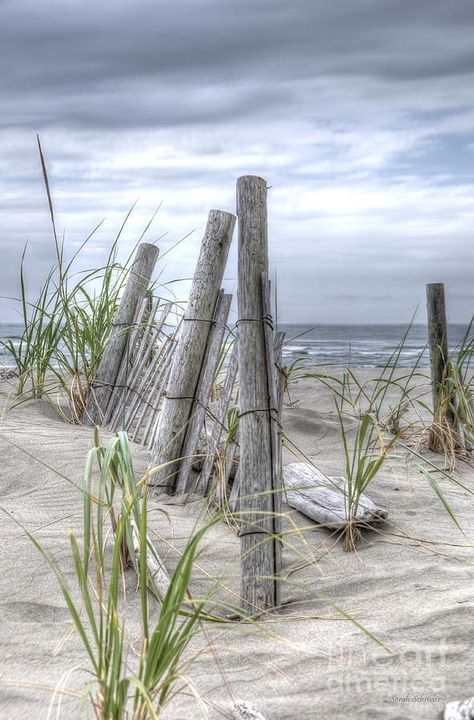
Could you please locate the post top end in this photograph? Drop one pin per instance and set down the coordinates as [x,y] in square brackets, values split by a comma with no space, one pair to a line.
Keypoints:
[251,178]
[148,246]
[224,213]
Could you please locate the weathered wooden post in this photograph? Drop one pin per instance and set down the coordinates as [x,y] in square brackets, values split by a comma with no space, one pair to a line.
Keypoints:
[219,425]
[134,294]
[191,349]
[203,394]
[437,338]
[260,558]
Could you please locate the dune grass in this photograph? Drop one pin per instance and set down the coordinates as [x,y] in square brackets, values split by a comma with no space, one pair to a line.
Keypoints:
[364,458]
[67,325]
[65,328]
[392,413]
[132,678]
[368,445]
[451,431]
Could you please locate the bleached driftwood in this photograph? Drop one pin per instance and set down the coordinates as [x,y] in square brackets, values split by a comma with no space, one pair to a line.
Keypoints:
[324,499]
[244,710]
[463,710]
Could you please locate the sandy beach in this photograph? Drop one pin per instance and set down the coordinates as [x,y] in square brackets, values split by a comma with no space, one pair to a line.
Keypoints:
[408,586]
[237,360]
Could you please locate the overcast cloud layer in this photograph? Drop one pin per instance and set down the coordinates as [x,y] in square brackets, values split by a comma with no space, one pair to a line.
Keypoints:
[360,114]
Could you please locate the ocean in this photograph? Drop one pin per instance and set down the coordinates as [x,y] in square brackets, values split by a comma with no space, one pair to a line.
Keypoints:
[346,345]
[360,345]
[8,331]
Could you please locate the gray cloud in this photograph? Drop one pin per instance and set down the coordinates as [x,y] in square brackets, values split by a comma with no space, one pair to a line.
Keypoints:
[137,56]
[359,114]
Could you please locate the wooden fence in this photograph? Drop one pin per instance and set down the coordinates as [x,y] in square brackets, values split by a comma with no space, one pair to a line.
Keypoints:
[158,378]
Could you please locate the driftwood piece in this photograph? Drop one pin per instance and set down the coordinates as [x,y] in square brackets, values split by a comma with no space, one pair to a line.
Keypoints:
[133,296]
[459,710]
[324,499]
[244,710]
[259,556]
[203,394]
[191,348]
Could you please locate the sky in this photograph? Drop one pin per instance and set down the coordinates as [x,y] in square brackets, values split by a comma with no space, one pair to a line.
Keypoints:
[359,114]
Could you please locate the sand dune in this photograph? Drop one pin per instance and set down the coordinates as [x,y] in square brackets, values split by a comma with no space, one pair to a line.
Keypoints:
[409,585]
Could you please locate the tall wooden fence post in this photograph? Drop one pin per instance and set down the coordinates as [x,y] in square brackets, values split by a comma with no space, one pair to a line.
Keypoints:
[437,337]
[260,559]
[191,350]
[134,294]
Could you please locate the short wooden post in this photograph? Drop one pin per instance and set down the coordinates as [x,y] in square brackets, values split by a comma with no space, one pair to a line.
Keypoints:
[191,349]
[437,338]
[133,296]
[260,559]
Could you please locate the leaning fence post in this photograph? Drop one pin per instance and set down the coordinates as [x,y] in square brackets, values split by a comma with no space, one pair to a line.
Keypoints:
[134,294]
[260,565]
[437,338]
[191,349]
[204,390]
